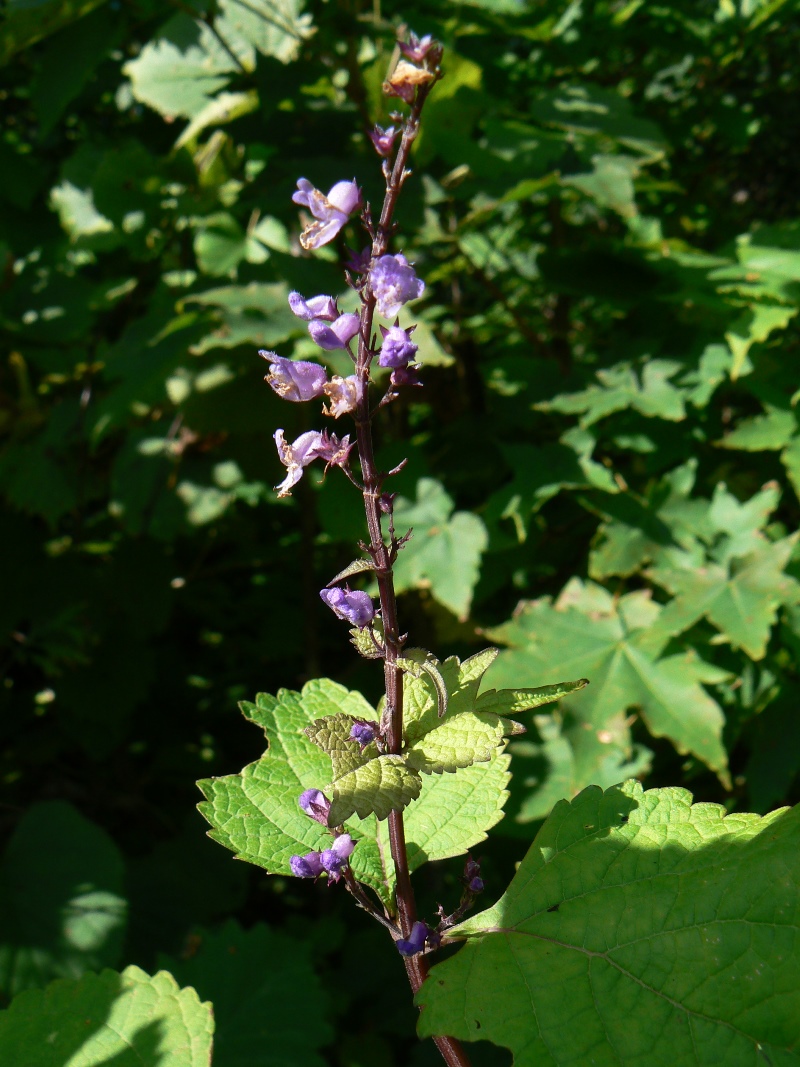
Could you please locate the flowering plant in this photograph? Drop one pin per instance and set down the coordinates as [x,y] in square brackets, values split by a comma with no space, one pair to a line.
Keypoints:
[363,796]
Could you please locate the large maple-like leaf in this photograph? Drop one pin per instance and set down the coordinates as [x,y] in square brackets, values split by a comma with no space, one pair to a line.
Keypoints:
[617,645]
[639,929]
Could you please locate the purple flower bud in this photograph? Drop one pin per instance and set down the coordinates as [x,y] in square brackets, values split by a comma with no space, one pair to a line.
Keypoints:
[334,859]
[397,349]
[417,47]
[316,805]
[296,456]
[405,376]
[354,607]
[294,380]
[308,866]
[415,942]
[318,307]
[394,283]
[331,212]
[471,868]
[337,334]
[386,502]
[383,139]
[342,394]
[363,732]
[359,262]
[475,885]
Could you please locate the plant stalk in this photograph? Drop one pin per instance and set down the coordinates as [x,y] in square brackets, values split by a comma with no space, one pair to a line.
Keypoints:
[416,966]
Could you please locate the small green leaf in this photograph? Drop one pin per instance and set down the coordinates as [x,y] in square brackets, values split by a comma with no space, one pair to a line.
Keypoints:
[514,701]
[376,786]
[417,660]
[108,1018]
[368,640]
[356,567]
[741,598]
[667,929]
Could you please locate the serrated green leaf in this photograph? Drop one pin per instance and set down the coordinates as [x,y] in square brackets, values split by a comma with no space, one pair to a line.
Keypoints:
[772,430]
[368,640]
[255,813]
[740,599]
[102,1018]
[61,894]
[458,741]
[256,1020]
[617,645]
[445,550]
[377,787]
[514,701]
[454,811]
[666,928]
[650,392]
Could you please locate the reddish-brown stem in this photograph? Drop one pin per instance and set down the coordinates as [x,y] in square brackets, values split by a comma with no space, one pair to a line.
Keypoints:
[416,966]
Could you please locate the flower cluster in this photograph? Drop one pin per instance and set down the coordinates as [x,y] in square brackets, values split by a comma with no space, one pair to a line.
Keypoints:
[332,861]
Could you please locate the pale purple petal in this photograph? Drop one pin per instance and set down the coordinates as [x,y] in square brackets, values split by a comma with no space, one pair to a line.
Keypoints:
[318,307]
[383,139]
[346,196]
[354,607]
[316,805]
[394,283]
[337,334]
[295,380]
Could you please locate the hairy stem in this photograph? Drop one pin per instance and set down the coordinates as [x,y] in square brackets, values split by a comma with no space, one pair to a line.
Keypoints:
[416,966]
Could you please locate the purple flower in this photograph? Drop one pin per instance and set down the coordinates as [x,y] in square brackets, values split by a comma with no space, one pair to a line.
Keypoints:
[294,380]
[337,334]
[405,376]
[397,349]
[296,456]
[394,283]
[354,607]
[383,139]
[417,47]
[331,212]
[334,859]
[308,866]
[415,942]
[308,447]
[318,307]
[363,732]
[316,805]
[342,394]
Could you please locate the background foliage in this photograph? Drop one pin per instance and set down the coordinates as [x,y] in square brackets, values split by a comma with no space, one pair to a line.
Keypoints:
[603,474]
